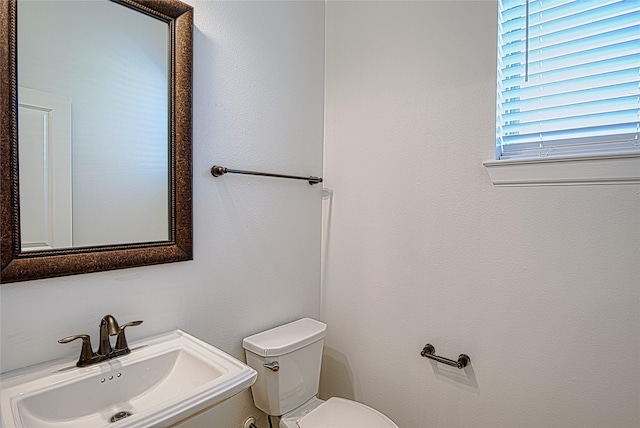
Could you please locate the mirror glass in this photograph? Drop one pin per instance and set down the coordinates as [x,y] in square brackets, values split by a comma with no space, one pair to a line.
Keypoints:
[93,121]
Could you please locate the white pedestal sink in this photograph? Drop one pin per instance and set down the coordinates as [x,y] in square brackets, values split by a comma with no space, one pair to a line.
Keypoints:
[162,381]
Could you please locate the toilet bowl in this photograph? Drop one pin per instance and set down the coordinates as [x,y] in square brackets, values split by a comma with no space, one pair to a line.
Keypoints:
[288,359]
[335,412]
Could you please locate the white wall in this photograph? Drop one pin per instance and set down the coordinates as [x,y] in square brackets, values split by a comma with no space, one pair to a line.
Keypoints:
[258,104]
[540,286]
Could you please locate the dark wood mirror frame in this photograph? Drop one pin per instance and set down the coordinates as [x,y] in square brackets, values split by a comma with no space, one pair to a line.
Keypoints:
[23,266]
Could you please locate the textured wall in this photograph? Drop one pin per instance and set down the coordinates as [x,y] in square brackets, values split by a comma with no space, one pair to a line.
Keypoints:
[538,285]
[258,104]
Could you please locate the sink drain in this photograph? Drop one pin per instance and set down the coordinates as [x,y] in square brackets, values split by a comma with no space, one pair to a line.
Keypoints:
[120,415]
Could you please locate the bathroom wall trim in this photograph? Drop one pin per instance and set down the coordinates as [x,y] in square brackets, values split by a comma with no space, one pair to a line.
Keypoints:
[611,169]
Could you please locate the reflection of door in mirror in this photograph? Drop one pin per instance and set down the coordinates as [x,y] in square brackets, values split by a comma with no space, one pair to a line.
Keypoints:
[113,63]
[44,121]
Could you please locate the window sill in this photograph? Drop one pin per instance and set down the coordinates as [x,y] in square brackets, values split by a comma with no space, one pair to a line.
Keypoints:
[565,171]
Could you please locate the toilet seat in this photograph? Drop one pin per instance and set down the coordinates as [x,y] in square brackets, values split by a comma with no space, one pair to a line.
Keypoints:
[340,413]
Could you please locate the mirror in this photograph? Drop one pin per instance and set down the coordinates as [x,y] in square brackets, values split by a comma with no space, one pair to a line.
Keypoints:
[95,157]
[100,64]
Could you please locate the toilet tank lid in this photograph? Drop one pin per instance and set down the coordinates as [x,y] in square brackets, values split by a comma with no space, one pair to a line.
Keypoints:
[285,338]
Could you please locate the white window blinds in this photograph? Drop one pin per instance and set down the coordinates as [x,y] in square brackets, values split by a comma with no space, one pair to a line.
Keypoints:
[568,77]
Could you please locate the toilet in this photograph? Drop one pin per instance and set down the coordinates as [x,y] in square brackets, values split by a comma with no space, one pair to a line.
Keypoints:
[287,359]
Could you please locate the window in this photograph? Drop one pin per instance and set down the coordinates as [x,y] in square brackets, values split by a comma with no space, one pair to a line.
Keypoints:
[568,78]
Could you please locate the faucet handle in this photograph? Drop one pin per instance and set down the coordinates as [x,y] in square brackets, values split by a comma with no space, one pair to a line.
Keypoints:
[86,353]
[121,342]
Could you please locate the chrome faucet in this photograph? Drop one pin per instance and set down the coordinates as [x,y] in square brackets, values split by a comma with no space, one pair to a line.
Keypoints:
[108,327]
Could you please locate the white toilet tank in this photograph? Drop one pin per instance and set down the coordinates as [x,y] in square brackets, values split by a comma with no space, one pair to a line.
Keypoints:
[296,350]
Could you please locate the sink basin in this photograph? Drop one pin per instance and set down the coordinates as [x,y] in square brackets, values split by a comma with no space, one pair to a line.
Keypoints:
[163,380]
